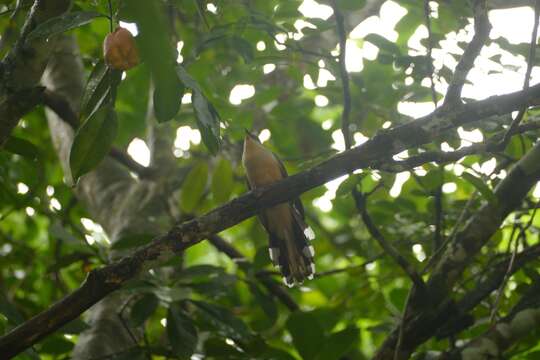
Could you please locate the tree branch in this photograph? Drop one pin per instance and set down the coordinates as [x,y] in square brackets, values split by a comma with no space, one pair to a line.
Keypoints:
[443,157]
[21,69]
[482,28]
[488,283]
[437,193]
[103,281]
[524,318]
[15,106]
[526,81]
[462,250]
[344,76]
[389,249]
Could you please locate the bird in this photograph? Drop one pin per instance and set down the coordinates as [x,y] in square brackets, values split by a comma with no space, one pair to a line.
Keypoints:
[289,236]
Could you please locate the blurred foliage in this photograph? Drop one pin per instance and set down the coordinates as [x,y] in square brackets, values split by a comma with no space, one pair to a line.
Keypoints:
[214,306]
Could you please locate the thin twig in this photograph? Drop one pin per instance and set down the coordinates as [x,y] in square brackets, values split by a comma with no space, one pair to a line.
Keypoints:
[509,270]
[111,21]
[293,46]
[344,75]
[505,280]
[436,255]
[402,323]
[200,10]
[526,82]
[427,17]
[482,28]
[438,194]
[389,249]
[442,157]
[350,268]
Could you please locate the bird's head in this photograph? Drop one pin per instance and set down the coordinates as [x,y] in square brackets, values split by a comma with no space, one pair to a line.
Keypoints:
[250,137]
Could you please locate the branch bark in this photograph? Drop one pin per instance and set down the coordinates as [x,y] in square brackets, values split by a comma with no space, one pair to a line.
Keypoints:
[460,252]
[21,69]
[482,28]
[486,285]
[524,318]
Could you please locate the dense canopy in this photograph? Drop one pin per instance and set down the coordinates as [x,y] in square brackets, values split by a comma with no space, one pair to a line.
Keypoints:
[410,131]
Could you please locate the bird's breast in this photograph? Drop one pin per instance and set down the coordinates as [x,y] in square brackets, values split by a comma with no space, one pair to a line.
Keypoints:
[262,169]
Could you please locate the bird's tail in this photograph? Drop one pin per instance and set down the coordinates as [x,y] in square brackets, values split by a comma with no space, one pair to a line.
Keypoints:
[292,253]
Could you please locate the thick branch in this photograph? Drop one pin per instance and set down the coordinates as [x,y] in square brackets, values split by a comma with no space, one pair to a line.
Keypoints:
[390,142]
[462,250]
[488,283]
[443,157]
[15,106]
[23,66]
[482,28]
[524,319]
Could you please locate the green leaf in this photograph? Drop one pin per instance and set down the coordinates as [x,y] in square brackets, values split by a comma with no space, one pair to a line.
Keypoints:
[157,52]
[57,230]
[367,184]
[217,348]
[433,179]
[244,48]
[181,332]
[338,344]
[10,311]
[92,142]
[167,99]
[347,186]
[222,181]
[62,23]
[193,187]
[207,122]
[132,241]
[202,271]
[382,43]
[266,302]
[97,88]
[143,309]
[223,320]
[66,260]
[208,119]
[307,334]
[55,345]
[134,353]
[187,79]
[482,187]
[21,147]
[76,326]
[398,297]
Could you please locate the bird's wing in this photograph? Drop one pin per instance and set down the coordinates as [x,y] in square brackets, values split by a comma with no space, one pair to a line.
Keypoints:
[261,214]
[296,203]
